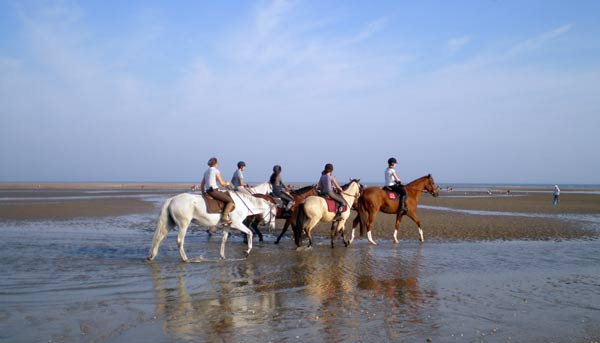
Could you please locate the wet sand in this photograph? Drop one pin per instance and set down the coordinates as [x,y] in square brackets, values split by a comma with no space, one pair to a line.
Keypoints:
[492,269]
[522,215]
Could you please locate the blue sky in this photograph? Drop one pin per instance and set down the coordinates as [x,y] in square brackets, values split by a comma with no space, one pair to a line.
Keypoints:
[148,91]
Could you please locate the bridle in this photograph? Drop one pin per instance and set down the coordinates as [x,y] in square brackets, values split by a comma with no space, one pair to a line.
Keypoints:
[271,206]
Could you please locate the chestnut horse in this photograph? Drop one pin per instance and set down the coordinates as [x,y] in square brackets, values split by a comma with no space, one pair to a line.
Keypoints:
[375,199]
[299,195]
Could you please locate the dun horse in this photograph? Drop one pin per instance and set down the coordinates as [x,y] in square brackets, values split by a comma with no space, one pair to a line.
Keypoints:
[182,209]
[314,210]
[375,199]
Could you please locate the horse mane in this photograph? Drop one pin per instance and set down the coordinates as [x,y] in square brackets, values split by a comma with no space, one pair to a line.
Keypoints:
[302,190]
[419,179]
[345,187]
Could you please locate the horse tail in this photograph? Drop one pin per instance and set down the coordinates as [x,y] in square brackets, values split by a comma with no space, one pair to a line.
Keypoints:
[362,213]
[165,222]
[299,224]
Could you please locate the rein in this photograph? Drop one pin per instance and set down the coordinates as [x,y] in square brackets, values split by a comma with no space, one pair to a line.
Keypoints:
[250,210]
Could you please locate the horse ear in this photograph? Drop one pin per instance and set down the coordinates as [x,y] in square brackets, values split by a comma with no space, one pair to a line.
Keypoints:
[429,176]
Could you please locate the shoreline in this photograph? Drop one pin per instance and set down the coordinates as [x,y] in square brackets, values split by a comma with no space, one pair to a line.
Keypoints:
[473,217]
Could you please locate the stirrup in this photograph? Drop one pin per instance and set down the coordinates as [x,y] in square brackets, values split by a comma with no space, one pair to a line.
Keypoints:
[225,221]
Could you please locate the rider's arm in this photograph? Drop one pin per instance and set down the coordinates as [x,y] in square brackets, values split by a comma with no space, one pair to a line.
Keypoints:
[395,176]
[202,185]
[336,184]
[220,180]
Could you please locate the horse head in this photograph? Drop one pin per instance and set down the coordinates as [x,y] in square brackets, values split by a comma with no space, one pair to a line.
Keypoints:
[358,193]
[431,187]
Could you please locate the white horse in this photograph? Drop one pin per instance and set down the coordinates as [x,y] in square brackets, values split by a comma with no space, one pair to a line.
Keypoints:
[315,210]
[185,208]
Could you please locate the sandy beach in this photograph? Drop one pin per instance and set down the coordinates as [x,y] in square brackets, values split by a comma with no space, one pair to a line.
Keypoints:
[459,215]
[494,268]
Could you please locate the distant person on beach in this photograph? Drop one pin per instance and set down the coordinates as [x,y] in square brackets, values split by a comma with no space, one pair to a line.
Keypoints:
[556,194]
[210,184]
[328,185]
[280,189]
[237,180]
[393,182]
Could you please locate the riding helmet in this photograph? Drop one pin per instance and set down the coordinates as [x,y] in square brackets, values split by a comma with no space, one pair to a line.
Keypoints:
[277,168]
[392,160]
[241,164]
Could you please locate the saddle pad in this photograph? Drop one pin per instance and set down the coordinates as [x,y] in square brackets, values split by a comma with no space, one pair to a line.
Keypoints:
[332,205]
[213,205]
[392,195]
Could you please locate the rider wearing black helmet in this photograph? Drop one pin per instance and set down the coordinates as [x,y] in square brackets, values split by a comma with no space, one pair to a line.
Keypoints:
[393,183]
[328,185]
[237,180]
[280,189]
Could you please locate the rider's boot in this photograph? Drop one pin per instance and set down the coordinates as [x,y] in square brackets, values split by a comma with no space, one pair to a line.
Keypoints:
[338,214]
[225,220]
[403,203]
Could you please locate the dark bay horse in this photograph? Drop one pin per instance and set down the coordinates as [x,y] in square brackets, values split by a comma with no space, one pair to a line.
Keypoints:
[299,195]
[375,199]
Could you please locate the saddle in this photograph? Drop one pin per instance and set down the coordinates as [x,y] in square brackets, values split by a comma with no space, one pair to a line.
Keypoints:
[214,205]
[332,205]
[391,194]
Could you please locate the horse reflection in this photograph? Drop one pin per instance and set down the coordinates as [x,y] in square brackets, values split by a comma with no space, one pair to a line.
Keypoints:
[201,311]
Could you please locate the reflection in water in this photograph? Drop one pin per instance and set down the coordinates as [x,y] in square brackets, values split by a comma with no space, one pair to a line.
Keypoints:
[319,295]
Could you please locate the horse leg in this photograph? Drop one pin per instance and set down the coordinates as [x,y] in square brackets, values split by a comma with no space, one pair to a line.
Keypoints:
[417,221]
[283,231]
[397,226]
[333,232]
[163,226]
[341,228]
[355,222]
[183,226]
[257,231]
[162,229]
[370,222]
[240,226]
[311,224]
[225,235]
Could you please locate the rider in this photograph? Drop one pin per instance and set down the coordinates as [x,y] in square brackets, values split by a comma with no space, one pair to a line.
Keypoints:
[393,183]
[237,180]
[280,189]
[327,185]
[210,179]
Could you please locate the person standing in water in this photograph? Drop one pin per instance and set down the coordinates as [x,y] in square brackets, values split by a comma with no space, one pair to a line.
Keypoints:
[556,194]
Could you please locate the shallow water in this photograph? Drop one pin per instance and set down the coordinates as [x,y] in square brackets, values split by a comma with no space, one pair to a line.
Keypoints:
[86,280]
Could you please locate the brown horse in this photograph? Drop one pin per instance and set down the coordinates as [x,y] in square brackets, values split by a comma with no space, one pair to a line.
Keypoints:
[375,199]
[299,195]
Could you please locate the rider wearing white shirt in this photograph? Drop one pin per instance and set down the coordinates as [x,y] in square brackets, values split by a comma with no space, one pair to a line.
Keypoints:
[212,176]
[393,183]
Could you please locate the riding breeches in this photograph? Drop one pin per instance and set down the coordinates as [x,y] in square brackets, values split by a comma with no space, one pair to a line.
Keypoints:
[338,198]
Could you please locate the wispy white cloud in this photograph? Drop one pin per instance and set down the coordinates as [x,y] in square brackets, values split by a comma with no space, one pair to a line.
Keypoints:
[456,44]
[538,41]
[371,29]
